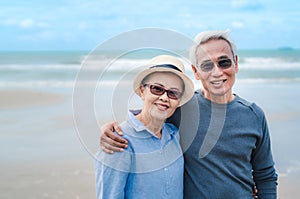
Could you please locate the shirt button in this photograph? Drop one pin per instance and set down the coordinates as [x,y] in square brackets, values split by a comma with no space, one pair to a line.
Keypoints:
[166,169]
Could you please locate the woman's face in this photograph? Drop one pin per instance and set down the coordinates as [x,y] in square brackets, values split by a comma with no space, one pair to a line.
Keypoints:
[161,107]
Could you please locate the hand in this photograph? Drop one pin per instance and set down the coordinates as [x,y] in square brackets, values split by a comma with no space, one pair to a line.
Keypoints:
[109,141]
[255,192]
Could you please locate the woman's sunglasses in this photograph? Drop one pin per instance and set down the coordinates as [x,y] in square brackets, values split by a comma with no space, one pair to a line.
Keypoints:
[207,66]
[159,90]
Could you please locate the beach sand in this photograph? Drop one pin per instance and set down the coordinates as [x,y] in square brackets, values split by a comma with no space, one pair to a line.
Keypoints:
[48,179]
[12,99]
[42,157]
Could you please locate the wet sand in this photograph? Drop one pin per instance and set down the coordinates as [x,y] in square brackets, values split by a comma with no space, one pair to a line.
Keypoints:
[13,99]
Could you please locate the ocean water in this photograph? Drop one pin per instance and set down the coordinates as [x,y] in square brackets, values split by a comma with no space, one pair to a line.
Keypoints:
[59,69]
[271,78]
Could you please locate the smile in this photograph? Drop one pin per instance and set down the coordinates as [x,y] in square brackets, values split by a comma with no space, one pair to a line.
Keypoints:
[162,107]
[218,82]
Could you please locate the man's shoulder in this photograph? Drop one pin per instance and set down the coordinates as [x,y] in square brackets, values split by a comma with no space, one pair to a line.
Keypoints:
[245,102]
[251,105]
[194,101]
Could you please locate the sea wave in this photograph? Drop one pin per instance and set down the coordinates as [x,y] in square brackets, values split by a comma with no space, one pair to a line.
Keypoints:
[269,80]
[38,67]
[253,63]
[111,83]
[37,84]
[266,63]
[251,70]
[61,84]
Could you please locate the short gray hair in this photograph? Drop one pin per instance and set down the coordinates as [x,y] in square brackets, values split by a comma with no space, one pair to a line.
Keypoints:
[205,36]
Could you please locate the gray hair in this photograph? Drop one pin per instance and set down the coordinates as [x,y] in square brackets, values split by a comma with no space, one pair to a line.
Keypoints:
[208,35]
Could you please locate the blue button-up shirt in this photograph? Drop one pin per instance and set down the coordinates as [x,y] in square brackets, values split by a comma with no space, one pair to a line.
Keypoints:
[149,168]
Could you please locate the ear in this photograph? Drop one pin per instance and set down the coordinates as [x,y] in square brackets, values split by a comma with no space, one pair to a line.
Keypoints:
[142,92]
[236,67]
[196,74]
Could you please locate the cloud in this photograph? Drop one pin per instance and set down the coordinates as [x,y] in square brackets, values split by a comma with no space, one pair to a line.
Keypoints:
[24,23]
[83,25]
[39,36]
[246,5]
[237,25]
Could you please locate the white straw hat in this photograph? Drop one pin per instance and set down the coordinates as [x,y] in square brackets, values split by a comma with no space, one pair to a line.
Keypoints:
[167,63]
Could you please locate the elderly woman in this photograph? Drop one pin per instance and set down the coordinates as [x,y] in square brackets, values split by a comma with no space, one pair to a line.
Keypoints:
[152,165]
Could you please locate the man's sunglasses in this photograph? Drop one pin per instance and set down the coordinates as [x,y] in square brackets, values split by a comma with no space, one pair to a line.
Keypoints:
[159,90]
[207,66]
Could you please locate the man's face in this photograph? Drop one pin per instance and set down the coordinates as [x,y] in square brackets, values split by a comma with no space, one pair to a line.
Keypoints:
[218,79]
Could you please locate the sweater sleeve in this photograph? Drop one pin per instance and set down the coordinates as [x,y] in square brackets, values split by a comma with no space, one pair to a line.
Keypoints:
[264,173]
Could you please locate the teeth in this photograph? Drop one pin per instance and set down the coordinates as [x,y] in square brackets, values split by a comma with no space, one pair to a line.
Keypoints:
[160,106]
[218,82]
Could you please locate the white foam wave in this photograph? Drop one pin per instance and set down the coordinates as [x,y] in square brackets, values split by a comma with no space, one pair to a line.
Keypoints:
[251,63]
[112,83]
[30,67]
[90,64]
[267,63]
[268,80]
[59,84]
[38,84]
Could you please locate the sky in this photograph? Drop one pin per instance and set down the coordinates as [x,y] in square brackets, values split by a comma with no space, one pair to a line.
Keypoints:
[35,25]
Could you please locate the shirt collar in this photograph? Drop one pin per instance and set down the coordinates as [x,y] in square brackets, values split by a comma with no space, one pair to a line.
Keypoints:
[144,132]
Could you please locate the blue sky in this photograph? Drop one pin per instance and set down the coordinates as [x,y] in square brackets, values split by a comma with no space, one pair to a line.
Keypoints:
[83,24]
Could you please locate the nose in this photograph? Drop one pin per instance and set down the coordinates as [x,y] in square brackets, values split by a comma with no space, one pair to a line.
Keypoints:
[216,71]
[164,97]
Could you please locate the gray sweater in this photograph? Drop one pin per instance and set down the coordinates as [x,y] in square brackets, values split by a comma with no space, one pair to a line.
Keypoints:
[227,152]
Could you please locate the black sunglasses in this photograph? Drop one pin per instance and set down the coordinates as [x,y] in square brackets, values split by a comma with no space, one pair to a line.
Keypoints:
[207,66]
[159,90]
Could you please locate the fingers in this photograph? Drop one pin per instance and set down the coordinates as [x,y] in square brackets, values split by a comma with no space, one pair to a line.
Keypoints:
[113,142]
[110,148]
[255,192]
[109,141]
[111,128]
[116,140]
[117,128]
[106,150]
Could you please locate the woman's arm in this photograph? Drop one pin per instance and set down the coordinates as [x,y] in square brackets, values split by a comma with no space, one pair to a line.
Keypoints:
[111,172]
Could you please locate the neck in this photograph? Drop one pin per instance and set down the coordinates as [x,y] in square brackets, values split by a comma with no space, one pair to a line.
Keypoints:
[219,99]
[154,125]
